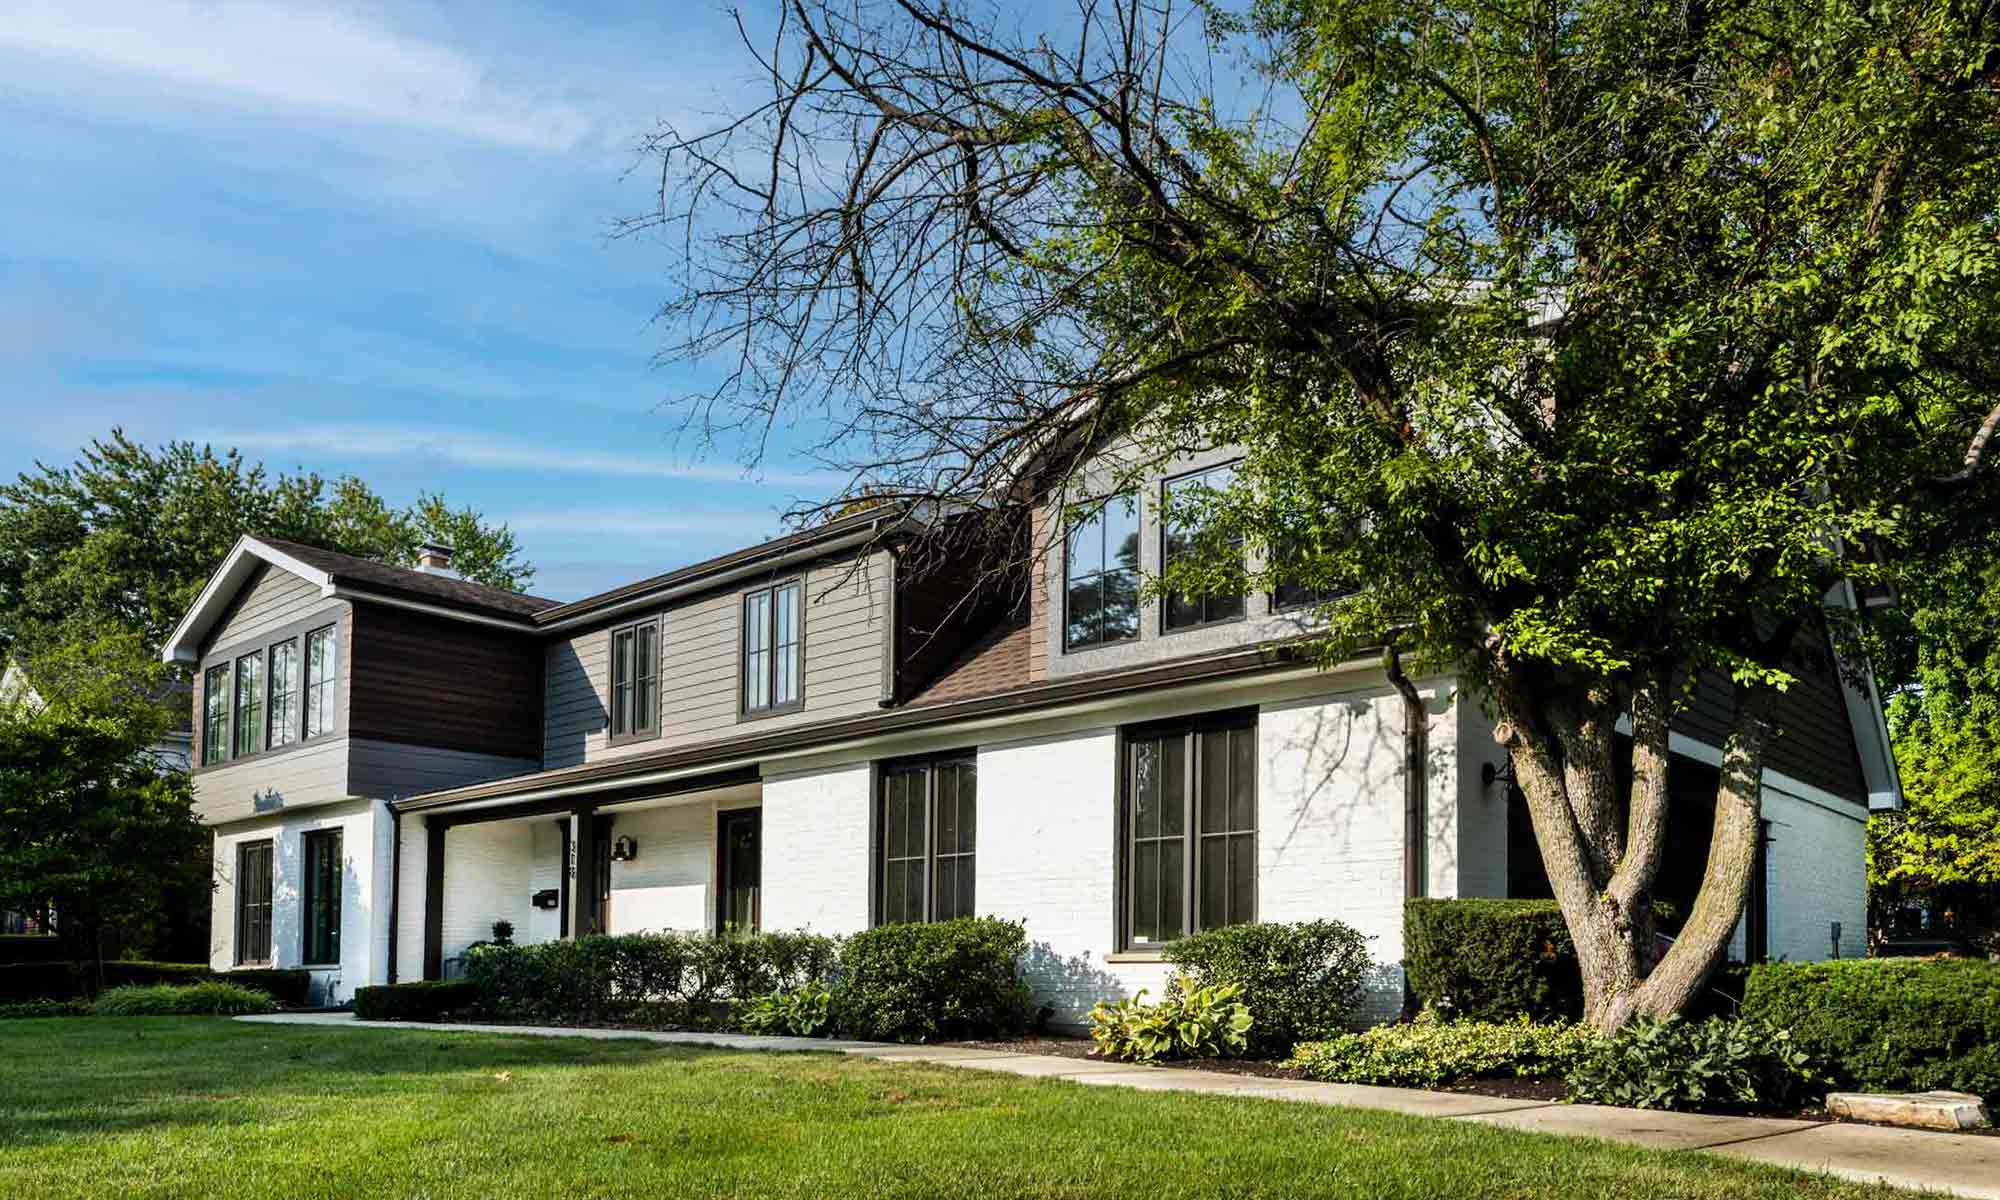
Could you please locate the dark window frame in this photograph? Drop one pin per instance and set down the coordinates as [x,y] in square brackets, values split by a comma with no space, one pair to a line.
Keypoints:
[745,711]
[293,726]
[928,767]
[225,657]
[1194,801]
[217,743]
[633,731]
[255,699]
[319,946]
[247,918]
[1097,505]
[1289,597]
[307,682]
[1167,597]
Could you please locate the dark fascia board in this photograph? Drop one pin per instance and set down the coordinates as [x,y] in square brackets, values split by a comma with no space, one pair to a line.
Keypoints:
[1034,697]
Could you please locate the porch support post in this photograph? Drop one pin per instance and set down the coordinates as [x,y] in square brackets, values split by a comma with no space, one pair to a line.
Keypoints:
[434,831]
[583,872]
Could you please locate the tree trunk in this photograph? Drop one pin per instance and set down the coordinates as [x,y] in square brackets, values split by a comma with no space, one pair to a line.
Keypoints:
[1602,868]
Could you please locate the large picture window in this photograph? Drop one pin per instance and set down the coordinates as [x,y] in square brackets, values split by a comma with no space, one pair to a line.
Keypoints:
[1189,820]
[1182,539]
[284,710]
[253,902]
[322,897]
[773,633]
[926,833]
[1101,574]
[635,681]
[249,704]
[215,715]
[320,671]
[1293,593]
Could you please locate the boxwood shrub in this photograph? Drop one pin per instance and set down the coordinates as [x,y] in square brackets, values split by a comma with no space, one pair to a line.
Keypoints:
[290,987]
[1491,960]
[1300,980]
[925,982]
[652,978]
[1889,1024]
[423,1000]
[1429,1052]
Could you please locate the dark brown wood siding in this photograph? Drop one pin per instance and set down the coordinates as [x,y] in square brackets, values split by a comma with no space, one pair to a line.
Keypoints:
[1814,742]
[947,605]
[427,681]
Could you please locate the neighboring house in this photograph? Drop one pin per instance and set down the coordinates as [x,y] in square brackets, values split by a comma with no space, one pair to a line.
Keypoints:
[815,733]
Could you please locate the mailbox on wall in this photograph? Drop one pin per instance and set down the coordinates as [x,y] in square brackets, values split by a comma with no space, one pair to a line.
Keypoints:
[548,898]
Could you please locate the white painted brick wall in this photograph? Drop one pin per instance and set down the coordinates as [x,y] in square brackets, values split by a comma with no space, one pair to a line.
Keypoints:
[488,877]
[1818,875]
[815,868]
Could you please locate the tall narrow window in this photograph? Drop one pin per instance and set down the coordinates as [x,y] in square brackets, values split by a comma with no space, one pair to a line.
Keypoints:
[323,869]
[1190,822]
[284,710]
[1101,574]
[320,673]
[926,830]
[635,681]
[253,902]
[249,704]
[215,715]
[1183,540]
[773,633]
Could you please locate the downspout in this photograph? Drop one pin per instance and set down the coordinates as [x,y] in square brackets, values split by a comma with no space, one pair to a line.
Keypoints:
[395,880]
[1416,773]
[892,644]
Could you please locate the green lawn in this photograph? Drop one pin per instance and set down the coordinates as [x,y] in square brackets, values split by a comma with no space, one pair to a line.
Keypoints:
[161,1106]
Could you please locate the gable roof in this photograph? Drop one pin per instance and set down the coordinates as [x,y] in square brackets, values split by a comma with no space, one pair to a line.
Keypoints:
[404,581]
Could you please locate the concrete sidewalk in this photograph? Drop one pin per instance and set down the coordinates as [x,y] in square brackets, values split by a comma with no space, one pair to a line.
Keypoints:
[1963,1164]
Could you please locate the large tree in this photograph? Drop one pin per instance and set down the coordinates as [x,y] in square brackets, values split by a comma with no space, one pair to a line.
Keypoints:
[1590,337]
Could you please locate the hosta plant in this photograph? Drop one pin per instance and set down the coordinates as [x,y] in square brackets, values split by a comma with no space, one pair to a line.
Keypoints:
[805,1011]
[1189,1022]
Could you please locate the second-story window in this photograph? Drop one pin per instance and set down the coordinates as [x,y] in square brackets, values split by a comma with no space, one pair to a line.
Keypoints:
[773,633]
[1182,539]
[284,710]
[249,704]
[635,680]
[319,682]
[1101,574]
[1296,593]
[215,715]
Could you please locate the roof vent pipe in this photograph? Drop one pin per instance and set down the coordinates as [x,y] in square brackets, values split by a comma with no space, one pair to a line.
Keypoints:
[434,558]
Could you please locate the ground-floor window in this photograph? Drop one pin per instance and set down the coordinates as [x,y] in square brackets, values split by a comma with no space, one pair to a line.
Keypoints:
[322,896]
[253,902]
[926,828]
[1188,822]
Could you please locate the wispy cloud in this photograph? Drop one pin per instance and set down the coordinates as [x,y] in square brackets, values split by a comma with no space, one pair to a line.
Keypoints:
[298,56]
[470,448]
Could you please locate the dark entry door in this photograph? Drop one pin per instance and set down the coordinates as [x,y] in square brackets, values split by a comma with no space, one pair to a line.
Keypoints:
[600,847]
[740,862]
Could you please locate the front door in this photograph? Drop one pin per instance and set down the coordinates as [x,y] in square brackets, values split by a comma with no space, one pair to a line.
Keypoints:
[739,865]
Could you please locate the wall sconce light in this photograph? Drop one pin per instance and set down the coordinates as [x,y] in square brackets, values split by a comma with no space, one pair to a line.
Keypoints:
[1490,773]
[624,849]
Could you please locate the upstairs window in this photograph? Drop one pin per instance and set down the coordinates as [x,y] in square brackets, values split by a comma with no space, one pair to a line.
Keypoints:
[1182,539]
[320,670]
[925,838]
[635,681]
[1189,812]
[215,715]
[1293,593]
[284,709]
[249,704]
[773,632]
[1101,574]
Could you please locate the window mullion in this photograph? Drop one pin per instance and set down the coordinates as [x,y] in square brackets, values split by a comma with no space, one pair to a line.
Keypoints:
[1191,832]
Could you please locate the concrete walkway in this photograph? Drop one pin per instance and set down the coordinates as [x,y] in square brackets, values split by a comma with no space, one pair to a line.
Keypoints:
[1959,1163]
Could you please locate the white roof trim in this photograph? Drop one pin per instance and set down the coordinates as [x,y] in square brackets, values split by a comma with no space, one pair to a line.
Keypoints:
[184,644]
[1865,718]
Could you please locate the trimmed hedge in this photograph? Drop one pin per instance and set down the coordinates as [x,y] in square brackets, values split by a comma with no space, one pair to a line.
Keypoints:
[931,981]
[1491,960]
[657,978]
[29,947]
[38,981]
[424,1000]
[1430,1053]
[291,987]
[63,980]
[132,973]
[28,1009]
[1889,1024]
[1300,980]
[209,998]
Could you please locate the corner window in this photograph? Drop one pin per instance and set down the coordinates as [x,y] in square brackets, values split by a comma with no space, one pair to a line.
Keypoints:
[283,729]
[773,631]
[253,902]
[1294,594]
[319,677]
[635,680]
[323,869]
[215,715]
[1189,824]
[926,829]
[1182,539]
[249,704]
[1101,574]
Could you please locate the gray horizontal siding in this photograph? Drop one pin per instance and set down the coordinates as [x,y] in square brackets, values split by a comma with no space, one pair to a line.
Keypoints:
[276,599]
[390,770]
[316,773]
[845,626]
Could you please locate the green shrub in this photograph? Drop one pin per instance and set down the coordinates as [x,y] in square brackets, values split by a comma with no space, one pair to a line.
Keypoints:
[1300,980]
[291,987]
[1889,1024]
[1429,1052]
[133,973]
[44,1008]
[1746,1064]
[211,997]
[1491,960]
[1192,1021]
[803,1012]
[38,981]
[941,979]
[649,978]
[423,1000]
[29,947]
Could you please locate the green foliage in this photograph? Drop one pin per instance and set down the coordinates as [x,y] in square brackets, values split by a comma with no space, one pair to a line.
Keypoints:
[661,978]
[1300,979]
[1744,1064]
[1430,1052]
[212,998]
[806,1011]
[1190,1021]
[922,982]
[1892,1024]
[33,1009]
[39,981]
[290,987]
[420,1000]
[1491,960]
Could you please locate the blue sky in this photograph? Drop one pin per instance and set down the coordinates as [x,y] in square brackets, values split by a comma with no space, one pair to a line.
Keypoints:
[369,239]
